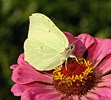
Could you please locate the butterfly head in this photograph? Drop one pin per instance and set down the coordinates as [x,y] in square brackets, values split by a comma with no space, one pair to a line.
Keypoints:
[68,51]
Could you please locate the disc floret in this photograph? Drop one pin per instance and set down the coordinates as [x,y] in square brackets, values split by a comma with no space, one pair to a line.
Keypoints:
[75,78]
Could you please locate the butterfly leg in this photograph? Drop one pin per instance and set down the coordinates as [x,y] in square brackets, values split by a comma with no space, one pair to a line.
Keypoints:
[66,64]
[61,62]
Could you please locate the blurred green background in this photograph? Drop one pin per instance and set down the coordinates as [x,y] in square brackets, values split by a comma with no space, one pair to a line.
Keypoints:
[74,16]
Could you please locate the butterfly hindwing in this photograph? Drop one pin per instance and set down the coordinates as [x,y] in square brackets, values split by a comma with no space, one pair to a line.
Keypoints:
[39,55]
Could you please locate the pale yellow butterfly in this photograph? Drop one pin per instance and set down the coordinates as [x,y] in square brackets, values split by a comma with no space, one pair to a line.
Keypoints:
[46,46]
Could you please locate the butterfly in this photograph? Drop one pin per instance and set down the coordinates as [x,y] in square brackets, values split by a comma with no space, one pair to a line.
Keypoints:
[46,46]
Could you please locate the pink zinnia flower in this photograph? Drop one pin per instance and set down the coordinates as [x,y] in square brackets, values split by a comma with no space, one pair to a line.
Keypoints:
[87,79]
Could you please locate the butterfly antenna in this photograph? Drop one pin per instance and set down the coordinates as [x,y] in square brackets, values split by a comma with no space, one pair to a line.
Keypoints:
[77,40]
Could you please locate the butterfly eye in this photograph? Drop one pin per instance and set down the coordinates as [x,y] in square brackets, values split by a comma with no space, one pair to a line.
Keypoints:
[72,47]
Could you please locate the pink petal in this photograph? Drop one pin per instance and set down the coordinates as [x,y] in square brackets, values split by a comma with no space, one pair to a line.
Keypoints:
[99,50]
[105,65]
[49,96]
[85,42]
[102,92]
[74,98]
[104,98]
[14,66]
[31,93]
[18,89]
[83,98]
[24,75]
[21,61]
[92,96]
[87,39]
[40,94]
[105,81]
[70,37]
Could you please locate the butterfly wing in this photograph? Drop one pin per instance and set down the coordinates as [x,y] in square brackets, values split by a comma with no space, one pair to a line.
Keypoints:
[44,44]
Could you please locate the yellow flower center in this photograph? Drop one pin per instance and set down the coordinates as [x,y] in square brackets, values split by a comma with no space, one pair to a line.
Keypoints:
[74,79]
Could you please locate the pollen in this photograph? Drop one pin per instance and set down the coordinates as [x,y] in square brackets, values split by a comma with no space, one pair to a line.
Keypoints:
[76,78]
